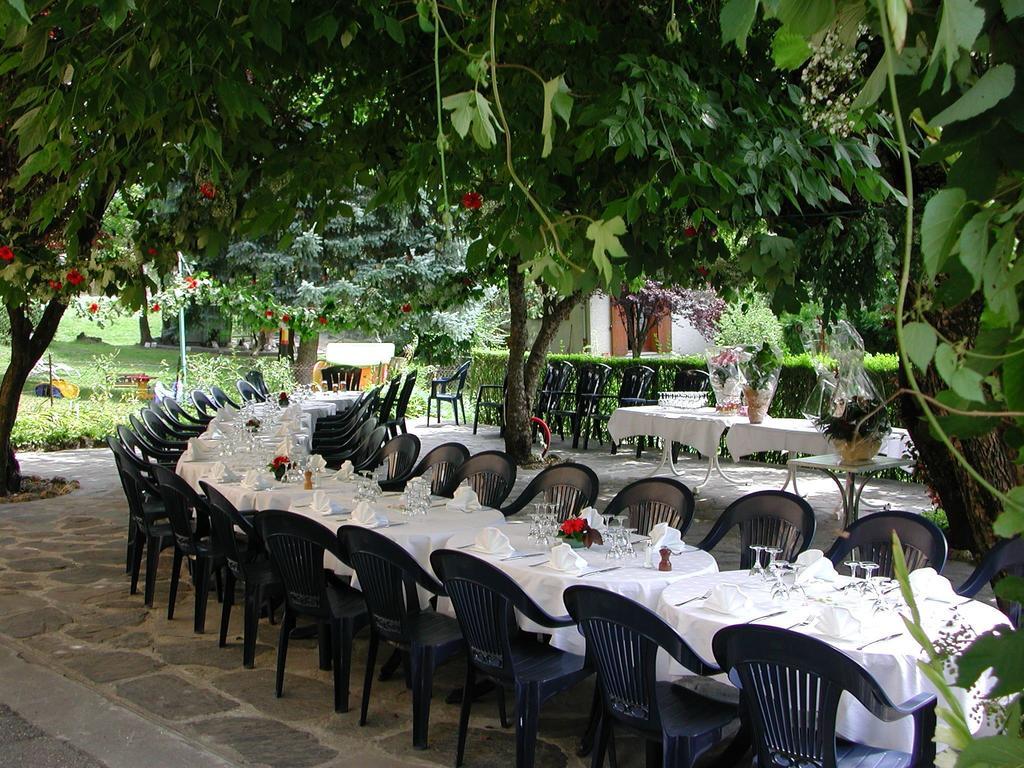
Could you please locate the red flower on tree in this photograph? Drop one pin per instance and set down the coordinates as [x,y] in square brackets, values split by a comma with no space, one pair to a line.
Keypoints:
[155,307]
[56,285]
[690,231]
[6,254]
[269,314]
[207,190]
[407,307]
[75,277]
[703,271]
[151,251]
[94,308]
[472,201]
[322,320]
[286,318]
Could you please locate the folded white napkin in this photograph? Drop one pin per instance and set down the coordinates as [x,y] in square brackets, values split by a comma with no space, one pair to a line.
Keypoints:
[593,518]
[564,558]
[316,463]
[363,514]
[283,429]
[346,471]
[292,413]
[729,599]
[284,448]
[926,582]
[808,557]
[664,535]
[818,570]
[320,504]
[493,542]
[202,450]
[257,480]
[219,473]
[464,500]
[838,622]
[227,413]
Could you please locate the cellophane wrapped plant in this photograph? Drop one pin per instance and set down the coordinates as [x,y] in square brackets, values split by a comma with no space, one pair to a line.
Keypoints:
[760,367]
[726,377]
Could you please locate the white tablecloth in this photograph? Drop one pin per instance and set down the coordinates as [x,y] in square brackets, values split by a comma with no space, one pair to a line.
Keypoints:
[340,400]
[546,585]
[700,428]
[893,663]
[796,436]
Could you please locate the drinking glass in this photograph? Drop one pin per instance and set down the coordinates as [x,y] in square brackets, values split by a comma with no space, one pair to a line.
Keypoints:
[773,553]
[756,568]
[614,527]
[854,566]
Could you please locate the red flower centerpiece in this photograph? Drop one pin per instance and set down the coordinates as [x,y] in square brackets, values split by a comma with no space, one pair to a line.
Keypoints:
[472,201]
[56,285]
[282,399]
[253,425]
[94,308]
[577,533]
[279,466]
[74,277]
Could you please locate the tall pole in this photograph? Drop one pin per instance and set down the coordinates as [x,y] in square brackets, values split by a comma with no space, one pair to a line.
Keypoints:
[181,324]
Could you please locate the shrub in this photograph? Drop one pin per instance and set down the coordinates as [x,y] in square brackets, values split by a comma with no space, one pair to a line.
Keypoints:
[68,423]
[749,320]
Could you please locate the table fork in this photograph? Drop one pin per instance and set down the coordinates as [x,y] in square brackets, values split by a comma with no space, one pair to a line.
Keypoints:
[705,596]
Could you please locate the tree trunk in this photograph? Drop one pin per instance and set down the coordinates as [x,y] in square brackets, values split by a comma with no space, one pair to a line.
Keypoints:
[27,346]
[971,509]
[305,360]
[145,334]
[524,378]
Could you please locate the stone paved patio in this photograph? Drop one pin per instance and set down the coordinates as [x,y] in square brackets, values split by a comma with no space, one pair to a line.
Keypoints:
[64,603]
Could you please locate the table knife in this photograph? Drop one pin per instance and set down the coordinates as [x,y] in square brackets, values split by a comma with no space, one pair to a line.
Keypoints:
[766,616]
[879,640]
[599,570]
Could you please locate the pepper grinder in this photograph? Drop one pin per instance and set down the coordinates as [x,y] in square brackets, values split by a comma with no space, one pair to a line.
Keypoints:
[665,564]
[308,480]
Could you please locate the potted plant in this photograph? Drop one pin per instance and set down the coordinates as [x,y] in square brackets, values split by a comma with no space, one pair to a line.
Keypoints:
[282,399]
[760,371]
[857,428]
[726,379]
[577,533]
[279,465]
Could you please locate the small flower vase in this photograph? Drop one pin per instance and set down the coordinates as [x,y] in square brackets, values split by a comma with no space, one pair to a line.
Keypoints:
[574,542]
[858,451]
[280,471]
[282,401]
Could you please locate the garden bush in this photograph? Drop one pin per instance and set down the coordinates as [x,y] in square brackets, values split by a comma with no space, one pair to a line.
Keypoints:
[67,423]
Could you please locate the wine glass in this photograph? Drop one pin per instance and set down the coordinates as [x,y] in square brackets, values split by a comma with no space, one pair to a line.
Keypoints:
[756,568]
[773,553]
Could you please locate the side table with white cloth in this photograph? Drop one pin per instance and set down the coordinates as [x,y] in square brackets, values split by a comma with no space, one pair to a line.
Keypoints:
[340,400]
[877,641]
[833,465]
[701,428]
[528,566]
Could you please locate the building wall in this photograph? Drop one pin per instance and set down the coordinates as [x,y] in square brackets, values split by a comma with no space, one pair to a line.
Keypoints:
[685,338]
[600,324]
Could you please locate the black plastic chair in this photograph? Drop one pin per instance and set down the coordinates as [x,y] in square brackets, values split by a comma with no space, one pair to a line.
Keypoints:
[399,454]
[486,601]
[496,406]
[338,442]
[439,392]
[491,474]
[249,393]
[204,404]
[158,425]
[396,423]
[1006,557]
[246,562]
[633,388]
[297,546]
[388,578]
[654,500]
[369,455]
[584,405]
[870,539]
[571,486]
[442,462]
[765,518]
[255,378]
[556,380]
[174,423]
[220,397]
[340,374]
[152,435]
[189,519]
[790,685]
[175,410]
[384,414]
[338,429]
[623,640]
[133,442]
[151,530]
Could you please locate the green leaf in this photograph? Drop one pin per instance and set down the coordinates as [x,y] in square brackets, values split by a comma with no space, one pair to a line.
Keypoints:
[973,245]
[1010,588]
[472,112]
[992,752]
[967,383]
[1002,651]
[789,50]
[939,227]
[394,29]
[959,27]
[605,235]
[896,11]
[946,362]
[736,19]
[1011,8]
[19,6]
[1011,521]
[806,17]
[920,340]
[557,100]
[991,88]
